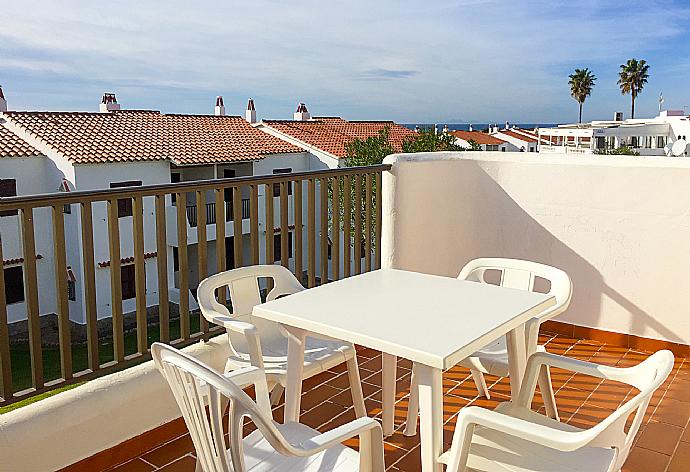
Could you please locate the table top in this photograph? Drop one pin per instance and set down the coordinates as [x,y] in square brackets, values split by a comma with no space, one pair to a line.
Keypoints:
[429,319]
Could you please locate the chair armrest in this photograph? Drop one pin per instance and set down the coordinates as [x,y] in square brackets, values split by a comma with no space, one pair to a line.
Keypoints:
[472,416]
[540,359]
[337,435]
[248,330]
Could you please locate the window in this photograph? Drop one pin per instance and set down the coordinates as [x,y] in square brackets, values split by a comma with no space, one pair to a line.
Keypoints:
[276,247]
[660,141]
[176,259]
[8,188]
[227,193]
[124,205]
[503,149]
[128,282]
[71,290]
[175,178]
[492,147]
[67,209]
[14,284]
[276,186]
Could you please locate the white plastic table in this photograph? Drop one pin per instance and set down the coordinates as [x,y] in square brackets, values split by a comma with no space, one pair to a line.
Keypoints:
[433,321]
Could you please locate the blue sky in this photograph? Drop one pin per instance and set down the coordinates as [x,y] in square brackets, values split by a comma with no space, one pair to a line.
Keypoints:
[442,61]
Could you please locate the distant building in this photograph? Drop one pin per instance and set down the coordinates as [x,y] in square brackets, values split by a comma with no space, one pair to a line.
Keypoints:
[649,137]
[486,141]
[517,139]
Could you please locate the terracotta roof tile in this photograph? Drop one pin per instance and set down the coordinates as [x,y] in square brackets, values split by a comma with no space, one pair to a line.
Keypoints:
[477,136]
[518,136]
[140,135]
[12,145]
[331,134]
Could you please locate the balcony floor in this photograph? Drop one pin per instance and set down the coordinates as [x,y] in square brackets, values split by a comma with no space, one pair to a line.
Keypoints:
[663,443]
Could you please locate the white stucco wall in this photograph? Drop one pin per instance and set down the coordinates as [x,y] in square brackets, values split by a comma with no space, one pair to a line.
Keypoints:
[618,225]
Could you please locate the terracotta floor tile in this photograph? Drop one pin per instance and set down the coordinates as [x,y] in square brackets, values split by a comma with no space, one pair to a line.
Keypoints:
[686,435]
[185,464]
[680,462]
[136,465]
[322,414]
[644,460]
[660,437]
[410,462]
[672,412]
[679,390]
[171,451]
[609,394]
[319,395]
[318,379]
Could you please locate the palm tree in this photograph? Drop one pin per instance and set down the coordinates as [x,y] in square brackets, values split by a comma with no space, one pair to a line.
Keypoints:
[581,84]
[631,78]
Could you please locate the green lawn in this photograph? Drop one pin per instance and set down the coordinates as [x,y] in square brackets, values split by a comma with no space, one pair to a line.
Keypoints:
[21,361]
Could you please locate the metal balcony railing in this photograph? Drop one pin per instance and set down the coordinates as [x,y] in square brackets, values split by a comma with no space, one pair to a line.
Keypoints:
[349,207]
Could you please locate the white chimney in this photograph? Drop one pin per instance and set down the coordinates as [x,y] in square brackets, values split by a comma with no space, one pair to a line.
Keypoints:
[250,114]
[3,102]
[108,103]
[302,114]
[220,106]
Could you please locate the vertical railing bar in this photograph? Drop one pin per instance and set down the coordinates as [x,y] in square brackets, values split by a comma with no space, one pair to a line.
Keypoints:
[220,242]
[61,301]
[347,223]
[89,286]
[139,273]
[183,264]
[162,267]
[115,280]
[31,291]
[237,225]
[270,224]
[311,230]
[335,242]
[284,233]
[297,209]
[254,223]
[367,222]
[323,203]
[202,249]
[379,216]
[6,388]
[357,212]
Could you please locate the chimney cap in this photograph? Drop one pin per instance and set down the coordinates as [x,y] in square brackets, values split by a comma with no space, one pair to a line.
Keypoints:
[2,95]
[219,101]
[108,97]
[302,108]
[250,105]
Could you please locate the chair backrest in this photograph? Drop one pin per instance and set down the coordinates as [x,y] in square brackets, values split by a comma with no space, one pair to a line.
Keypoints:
[196,386]
[519,274]
[647,377]
[245,293]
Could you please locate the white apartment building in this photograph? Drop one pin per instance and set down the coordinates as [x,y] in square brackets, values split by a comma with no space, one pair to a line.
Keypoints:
[649,137]
[45,152]
[517,140]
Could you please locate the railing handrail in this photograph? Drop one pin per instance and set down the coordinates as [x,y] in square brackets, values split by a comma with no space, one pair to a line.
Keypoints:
[81,196]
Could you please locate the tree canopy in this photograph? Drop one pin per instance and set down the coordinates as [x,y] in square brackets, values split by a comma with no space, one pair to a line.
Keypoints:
[632,78]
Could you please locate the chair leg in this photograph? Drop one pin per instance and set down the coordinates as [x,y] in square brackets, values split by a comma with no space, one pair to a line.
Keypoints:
[546,389]
[480,382]
[412,408]
[356,388]
[276,394]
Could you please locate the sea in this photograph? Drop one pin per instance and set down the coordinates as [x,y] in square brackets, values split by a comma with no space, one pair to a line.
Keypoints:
[476,126]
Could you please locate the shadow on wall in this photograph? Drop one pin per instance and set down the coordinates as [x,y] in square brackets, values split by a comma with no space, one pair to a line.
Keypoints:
[476,217]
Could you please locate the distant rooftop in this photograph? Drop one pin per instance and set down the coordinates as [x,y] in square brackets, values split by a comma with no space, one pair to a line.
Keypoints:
[147,135]
[477,136]
[331,134]
[12,145]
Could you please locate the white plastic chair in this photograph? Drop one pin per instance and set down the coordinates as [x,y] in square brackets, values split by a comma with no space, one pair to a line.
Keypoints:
[272,446]
[493,359]
[514,438]
[262,343]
